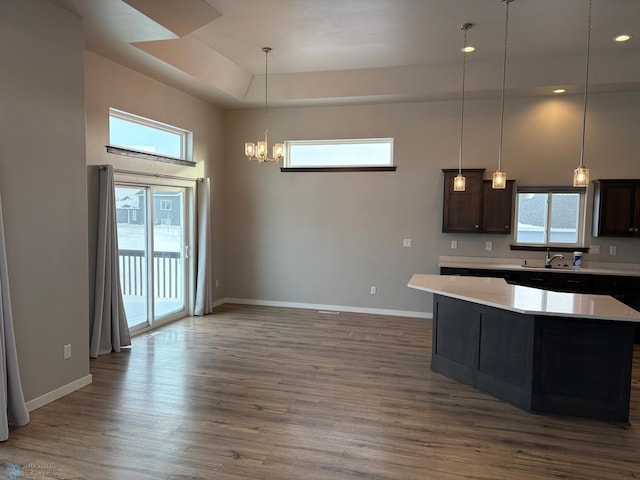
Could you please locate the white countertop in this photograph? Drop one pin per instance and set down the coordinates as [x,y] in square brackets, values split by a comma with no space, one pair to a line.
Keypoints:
[496,292]
[592,268]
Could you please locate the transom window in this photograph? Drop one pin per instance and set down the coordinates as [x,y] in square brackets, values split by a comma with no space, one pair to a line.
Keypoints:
[552,216]
[137,133]
[345,153]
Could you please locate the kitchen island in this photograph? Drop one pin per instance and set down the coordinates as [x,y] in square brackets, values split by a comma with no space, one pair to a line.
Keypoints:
[542,351]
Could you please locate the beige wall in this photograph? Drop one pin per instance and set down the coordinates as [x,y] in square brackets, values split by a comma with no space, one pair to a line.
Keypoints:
[325,238]
[43,188]
[109,84]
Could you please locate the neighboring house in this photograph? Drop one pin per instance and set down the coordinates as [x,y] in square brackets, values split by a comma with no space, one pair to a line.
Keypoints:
[130,209]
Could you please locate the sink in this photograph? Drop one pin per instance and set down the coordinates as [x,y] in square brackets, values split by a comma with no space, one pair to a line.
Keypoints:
[554,267]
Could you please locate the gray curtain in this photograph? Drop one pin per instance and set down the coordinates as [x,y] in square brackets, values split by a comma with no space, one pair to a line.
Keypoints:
[203,275]
[109,329]
[13,410]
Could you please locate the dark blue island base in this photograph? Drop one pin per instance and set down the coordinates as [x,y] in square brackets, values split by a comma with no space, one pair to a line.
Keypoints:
[548,364]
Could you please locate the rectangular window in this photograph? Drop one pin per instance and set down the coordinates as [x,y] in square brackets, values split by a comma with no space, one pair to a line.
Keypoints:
[165,204]
[550,216]
[345,153]
[140,134]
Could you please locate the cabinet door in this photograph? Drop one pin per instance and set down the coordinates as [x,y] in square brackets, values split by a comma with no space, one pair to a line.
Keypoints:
[636,212]
[614,208]
[497,208]
[462,211]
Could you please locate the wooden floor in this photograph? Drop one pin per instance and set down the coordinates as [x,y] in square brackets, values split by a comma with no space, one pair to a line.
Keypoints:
[258,393]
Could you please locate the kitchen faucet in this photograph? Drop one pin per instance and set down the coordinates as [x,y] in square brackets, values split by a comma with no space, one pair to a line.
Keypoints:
[548,259]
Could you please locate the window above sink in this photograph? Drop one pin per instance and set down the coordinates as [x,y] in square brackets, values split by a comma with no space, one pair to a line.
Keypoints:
[550,217]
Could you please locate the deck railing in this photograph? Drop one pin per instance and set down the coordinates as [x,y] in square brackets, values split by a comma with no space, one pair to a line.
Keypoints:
[168,273]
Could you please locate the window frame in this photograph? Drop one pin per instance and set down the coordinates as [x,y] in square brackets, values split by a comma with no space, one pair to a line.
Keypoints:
[550,191]
[185,136]
[333,167]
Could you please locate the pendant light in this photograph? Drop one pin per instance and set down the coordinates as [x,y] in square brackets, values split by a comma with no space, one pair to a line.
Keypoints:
[581,174]
[259,151]
[499,179]
[459,181]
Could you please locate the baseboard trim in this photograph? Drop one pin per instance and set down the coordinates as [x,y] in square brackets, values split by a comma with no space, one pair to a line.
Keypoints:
[59,392]
[335,308]
[217,303]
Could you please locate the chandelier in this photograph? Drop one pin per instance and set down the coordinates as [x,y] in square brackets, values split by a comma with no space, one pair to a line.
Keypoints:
[258,151]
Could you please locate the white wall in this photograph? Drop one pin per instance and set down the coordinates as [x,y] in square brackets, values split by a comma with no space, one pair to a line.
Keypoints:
[325,238]
[43,188]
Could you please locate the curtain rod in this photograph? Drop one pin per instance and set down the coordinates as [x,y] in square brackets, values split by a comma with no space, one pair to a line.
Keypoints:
[157,175]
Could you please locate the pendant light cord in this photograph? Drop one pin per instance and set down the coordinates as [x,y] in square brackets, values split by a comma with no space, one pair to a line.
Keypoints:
[504,82]
[586,87]
[465,27]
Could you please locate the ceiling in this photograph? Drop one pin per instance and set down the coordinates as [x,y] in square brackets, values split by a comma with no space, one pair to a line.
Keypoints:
[364,51]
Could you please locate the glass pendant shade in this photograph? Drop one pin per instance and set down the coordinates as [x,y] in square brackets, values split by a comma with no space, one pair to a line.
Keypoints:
[459,183]
[581,177]
[249,149]
[278,151]
[499,180]
[262,150]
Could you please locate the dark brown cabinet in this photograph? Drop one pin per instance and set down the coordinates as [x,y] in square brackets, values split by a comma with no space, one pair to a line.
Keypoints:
[462,210]
[496,208]
[480,208]
[616,208]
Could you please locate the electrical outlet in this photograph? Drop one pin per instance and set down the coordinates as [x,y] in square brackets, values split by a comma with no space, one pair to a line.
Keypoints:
[67,351]
[374,290]
[595,249]
[454,244]
[613,250]
[488,246]
[217,283]
[407,243]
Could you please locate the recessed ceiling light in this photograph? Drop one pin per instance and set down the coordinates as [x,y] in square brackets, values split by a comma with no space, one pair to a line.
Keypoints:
[468,49]
[559,90]
[622,38]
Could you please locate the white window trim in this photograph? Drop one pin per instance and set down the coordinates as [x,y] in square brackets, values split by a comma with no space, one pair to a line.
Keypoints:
[186,137]
[582,215]
[345,141]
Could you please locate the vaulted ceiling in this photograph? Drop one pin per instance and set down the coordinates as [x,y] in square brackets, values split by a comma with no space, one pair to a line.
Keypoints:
[356,51]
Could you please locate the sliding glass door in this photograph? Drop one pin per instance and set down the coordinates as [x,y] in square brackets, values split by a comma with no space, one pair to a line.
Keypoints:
[153,227]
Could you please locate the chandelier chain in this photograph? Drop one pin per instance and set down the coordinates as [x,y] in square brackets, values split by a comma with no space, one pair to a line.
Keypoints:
[266,51]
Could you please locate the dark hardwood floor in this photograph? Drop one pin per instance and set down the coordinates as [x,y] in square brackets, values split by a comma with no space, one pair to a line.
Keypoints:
[265,393]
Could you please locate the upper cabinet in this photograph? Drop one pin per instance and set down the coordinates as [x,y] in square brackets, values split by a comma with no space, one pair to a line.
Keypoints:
[616,208]
[497,208]
[480,208]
